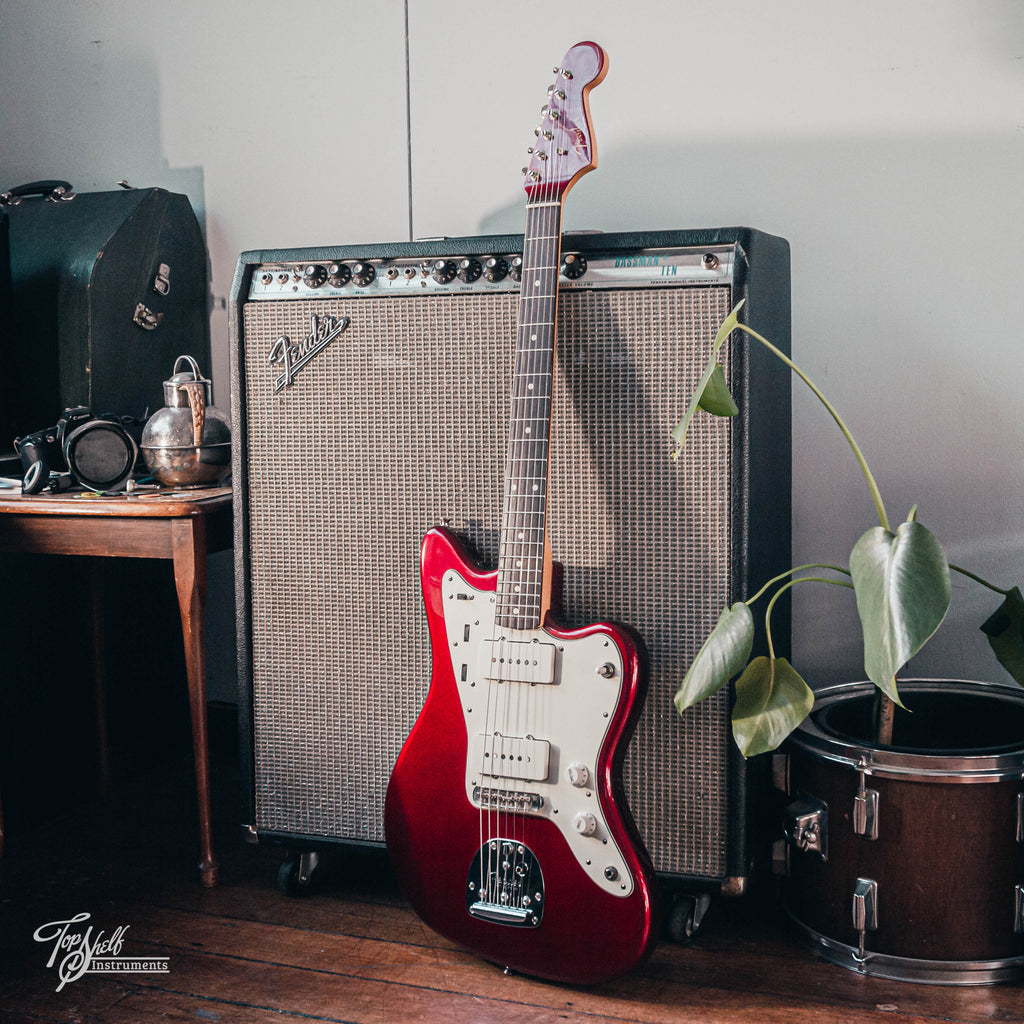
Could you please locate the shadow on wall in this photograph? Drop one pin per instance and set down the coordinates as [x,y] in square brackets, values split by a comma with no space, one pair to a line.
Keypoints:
[903,313]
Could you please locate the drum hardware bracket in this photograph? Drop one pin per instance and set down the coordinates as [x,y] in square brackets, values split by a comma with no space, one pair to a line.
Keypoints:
[865,912]
[1018,909]
[1020,817]
[805,825]
[865,808]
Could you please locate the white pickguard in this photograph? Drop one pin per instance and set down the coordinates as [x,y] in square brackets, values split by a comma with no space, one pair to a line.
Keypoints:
[545,709]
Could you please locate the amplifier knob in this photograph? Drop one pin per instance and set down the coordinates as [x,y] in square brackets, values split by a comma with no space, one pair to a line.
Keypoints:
[363,274]
[495,269]
[313,275]
[443,271]
[515,268]
[338,275]
[574,266]
[469,270]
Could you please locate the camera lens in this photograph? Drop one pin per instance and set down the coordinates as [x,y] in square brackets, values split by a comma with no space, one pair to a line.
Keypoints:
[101,455]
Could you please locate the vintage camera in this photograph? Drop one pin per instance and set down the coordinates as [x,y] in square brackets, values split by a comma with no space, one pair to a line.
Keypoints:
[96,451]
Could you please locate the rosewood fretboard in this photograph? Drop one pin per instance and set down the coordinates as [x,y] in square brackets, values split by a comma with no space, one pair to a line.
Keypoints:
[521,601]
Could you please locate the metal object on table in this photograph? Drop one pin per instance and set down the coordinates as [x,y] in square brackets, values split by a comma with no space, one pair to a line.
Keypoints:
[188,442]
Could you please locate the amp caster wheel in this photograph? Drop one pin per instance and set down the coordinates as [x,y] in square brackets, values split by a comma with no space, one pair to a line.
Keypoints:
[685,916]
[298,873]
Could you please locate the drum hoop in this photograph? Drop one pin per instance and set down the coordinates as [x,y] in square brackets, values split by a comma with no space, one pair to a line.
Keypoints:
[994,765]
[901,968]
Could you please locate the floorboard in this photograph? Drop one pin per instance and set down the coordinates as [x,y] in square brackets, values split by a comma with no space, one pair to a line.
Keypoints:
[354,952]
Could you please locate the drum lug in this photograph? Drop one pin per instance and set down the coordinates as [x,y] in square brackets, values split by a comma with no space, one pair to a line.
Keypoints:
[805,825]
[865,812]
[1018,909]
[1020,817]
[865,909]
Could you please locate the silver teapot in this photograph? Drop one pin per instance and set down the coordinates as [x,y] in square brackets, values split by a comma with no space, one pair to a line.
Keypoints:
[188,442]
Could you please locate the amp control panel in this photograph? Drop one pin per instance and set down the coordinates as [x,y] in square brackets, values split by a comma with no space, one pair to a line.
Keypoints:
[413,275]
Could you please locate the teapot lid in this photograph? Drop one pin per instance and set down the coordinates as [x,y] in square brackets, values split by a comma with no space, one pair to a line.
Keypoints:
[174,395]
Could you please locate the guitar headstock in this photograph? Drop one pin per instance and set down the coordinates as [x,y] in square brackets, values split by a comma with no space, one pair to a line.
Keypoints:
[564,148]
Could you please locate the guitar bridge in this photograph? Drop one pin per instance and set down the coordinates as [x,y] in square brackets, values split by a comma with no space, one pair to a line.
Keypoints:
[505,885]
[506,800]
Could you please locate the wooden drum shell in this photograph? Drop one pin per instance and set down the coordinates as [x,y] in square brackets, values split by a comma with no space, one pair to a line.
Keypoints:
[947,859]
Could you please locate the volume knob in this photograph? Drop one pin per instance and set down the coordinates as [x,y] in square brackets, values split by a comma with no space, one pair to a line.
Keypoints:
[443,271]
[314,275]
[363,274]
[578,774]
[574,266]
[585,823]
[515,268]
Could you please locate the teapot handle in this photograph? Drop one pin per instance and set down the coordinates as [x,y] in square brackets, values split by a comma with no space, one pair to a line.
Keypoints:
[195,367]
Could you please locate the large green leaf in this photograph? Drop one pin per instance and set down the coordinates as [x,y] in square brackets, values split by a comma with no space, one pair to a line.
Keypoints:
[901,581]
[711,393]
[716,397]
[1005,632]
[722,655]
[771,701]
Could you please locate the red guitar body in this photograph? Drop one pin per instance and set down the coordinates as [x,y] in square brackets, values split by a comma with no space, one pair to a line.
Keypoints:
[588,930]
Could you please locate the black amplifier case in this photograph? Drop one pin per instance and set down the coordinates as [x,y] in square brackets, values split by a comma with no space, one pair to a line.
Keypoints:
[389,416]
[107,290]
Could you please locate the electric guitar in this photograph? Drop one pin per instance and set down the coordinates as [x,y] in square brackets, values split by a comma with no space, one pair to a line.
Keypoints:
[505,816]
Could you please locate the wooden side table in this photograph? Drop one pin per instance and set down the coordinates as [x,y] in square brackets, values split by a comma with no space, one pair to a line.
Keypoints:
[181,525]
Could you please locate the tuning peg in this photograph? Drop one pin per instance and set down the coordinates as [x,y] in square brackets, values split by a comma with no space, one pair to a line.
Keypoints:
[566,74]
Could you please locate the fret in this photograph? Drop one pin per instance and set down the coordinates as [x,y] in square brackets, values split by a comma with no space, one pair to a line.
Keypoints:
[521,555]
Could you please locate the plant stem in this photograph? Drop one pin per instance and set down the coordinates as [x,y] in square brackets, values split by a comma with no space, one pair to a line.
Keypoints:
[978,579]
[786,586]
[799,568]
[876,495]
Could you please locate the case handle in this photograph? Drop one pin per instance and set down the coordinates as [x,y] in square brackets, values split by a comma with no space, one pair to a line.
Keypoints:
[55,191]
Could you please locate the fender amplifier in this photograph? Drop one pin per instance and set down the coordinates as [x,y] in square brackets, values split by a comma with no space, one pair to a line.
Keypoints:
[371,390]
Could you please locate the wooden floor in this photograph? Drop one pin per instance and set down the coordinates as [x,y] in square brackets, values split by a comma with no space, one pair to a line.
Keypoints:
[243,953]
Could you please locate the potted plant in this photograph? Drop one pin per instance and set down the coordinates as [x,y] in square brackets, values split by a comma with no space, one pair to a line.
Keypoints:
[877,795]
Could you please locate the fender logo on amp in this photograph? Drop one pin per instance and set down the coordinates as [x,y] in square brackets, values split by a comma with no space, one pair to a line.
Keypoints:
[292,357]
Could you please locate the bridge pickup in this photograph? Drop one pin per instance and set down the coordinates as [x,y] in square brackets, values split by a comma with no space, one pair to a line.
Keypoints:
[516,661]
[511,757]
[506,800]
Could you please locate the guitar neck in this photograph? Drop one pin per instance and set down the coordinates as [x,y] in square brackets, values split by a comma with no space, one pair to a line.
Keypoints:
[524,560]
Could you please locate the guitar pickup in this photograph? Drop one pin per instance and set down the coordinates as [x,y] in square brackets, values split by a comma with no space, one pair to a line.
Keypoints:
[517,661]
[511,757]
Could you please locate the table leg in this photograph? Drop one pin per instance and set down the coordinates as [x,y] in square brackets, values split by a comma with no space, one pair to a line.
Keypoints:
[189,546]
[96,571]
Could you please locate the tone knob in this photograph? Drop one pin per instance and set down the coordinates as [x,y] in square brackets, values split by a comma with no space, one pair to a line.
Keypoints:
[515,268]
[314,275]
[574,266]
[443,271]
[496,269]
[585,823]
[363,274]
[338,275]
[469,270]
[578,774]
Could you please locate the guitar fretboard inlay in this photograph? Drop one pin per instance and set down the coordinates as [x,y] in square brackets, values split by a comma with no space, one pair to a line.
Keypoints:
[521,554]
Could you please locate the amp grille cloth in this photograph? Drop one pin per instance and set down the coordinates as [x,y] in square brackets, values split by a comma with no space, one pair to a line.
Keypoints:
[400,424]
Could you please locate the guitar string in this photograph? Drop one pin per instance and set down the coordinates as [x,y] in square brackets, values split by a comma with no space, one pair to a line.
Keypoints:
[525,513]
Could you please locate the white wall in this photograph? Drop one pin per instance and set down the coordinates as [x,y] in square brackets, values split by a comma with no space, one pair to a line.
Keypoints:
[884,139]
